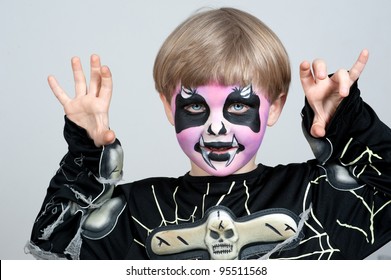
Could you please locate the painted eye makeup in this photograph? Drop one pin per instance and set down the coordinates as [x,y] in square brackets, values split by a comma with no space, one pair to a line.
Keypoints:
[238,108]
[242,108]
[191,111]
[195,108]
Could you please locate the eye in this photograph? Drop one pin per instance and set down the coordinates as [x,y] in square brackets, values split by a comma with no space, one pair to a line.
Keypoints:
[229,233]
[214,234]
[195,108]
[238,108]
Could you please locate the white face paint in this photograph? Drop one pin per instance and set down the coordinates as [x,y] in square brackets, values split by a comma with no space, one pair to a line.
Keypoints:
[220,128]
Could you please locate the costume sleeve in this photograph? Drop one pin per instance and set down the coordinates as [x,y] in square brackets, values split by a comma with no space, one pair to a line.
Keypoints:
[356,150]
[84,182]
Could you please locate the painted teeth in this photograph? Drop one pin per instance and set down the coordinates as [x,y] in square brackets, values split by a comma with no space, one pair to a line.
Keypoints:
[234,142]
[231,156]
[232,152]
[202,144]
[205,153]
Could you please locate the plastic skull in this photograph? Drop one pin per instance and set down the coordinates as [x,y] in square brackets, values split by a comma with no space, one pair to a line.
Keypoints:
[221,236]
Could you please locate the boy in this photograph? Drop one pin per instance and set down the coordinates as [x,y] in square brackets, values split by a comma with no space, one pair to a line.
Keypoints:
[223,76]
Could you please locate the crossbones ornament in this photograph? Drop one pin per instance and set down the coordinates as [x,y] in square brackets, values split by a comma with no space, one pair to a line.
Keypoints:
[220,236]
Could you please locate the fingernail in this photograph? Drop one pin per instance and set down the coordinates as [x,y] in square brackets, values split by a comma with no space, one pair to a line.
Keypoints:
[322,75]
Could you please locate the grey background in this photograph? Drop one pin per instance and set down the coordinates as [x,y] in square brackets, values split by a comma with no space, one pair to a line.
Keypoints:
[39,38]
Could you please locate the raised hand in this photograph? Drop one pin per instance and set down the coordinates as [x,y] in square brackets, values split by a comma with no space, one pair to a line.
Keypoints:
[90,106]
[324,93]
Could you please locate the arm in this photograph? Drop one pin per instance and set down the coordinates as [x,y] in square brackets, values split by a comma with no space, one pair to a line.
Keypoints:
[352,199]
[87,173]
[343,131]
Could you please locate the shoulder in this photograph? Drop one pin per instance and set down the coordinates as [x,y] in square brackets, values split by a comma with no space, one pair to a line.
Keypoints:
[292,169]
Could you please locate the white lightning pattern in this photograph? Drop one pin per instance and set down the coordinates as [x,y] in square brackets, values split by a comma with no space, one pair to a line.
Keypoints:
[370,208]
[368,152]
[325,246]
[322,237]
[372,213]
[192,216]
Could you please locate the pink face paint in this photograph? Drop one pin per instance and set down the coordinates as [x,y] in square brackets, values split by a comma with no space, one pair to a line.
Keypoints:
[220,128]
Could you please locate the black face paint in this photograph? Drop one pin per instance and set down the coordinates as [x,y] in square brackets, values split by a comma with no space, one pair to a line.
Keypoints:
[184,118]
[249,118]
[218,151]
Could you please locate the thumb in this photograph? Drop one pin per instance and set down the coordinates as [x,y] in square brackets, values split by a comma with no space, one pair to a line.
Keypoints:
[106,138]
[318,128]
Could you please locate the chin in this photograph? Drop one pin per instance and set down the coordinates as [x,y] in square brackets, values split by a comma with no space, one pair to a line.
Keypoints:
[220,169]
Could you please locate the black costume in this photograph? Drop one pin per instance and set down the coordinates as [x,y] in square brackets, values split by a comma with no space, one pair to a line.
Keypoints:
[337,206]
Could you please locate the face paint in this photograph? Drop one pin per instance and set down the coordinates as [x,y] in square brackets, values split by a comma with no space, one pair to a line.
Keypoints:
[193,110]
[246,107]
[220,128]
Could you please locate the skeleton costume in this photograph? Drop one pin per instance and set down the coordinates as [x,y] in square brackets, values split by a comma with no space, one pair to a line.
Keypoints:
[337,206]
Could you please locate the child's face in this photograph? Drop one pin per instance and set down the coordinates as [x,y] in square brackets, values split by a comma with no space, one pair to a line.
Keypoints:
[220,128]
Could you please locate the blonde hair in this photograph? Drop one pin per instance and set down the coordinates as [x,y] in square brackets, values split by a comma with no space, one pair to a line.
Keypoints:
[224,45]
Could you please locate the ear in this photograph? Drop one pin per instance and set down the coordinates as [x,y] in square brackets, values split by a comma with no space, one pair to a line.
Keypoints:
[167,108]
[276,109]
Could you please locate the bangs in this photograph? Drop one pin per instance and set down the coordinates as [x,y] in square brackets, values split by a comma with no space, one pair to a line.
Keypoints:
[228,64]
[222,46]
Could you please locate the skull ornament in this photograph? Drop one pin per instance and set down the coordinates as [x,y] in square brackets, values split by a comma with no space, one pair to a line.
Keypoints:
[221,236]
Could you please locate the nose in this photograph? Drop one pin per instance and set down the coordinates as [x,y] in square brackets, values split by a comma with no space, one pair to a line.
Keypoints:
[217,129]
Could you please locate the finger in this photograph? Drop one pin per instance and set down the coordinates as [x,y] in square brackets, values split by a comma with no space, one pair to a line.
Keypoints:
[95,79]
[359,65]
[78,75]
[306,78]
[107,83]
[320,69]
[342,79]
[58,91]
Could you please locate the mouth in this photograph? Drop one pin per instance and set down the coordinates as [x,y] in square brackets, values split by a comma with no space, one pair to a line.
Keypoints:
[218,151]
